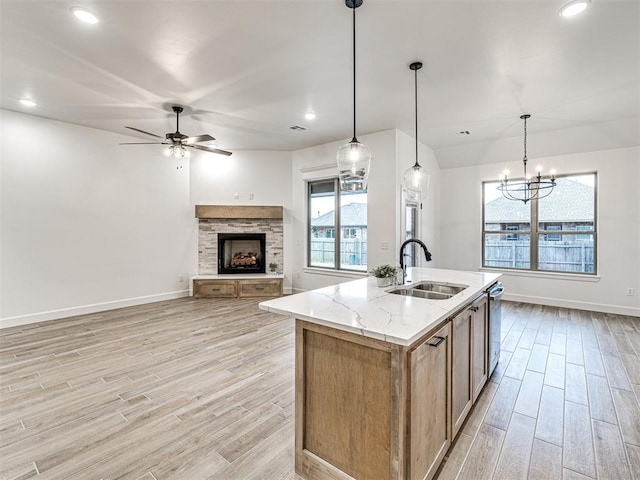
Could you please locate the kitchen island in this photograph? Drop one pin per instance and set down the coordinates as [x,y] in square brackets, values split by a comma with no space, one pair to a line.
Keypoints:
[384,381]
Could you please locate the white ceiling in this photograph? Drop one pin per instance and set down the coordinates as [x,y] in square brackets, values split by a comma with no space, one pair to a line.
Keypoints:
[248,70]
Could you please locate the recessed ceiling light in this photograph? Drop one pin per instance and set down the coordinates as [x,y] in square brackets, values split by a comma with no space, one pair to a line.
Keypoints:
[84,15]
[573,8]
[27,102]
[309,115]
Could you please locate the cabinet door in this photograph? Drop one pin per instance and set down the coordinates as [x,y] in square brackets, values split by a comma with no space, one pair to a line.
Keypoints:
[260,288]
[214,288]
[429,396]
[461,392]
[480,345]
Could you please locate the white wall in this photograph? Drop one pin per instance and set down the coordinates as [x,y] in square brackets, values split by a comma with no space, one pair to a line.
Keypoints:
[255,178]
[86,224]
[392,153]
[618,244]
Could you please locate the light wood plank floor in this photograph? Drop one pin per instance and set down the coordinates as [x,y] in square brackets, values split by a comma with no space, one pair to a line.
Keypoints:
[563,402]
[203,389]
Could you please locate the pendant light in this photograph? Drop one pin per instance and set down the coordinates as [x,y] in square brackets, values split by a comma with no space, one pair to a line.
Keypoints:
[415,178]
[354,158]
[527,189]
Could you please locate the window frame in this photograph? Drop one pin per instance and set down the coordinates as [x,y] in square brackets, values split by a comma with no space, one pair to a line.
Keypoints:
[535,232]
[337,227]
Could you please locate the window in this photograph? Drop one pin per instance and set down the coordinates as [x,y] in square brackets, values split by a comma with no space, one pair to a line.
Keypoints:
[336,241]
[555,234]
[552,227]
[512,228]
[412,218]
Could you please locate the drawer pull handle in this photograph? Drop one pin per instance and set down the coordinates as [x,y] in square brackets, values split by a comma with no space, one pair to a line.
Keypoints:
[440,340]
[473,309]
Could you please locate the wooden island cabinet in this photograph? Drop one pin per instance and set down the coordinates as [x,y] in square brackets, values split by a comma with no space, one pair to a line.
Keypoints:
[366,408]
[380,402]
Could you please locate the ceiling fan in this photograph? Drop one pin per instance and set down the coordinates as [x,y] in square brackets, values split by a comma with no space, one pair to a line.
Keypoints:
[177,141]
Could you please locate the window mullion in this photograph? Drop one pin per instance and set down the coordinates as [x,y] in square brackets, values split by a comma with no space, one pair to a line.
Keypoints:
[337,226]
[533,236]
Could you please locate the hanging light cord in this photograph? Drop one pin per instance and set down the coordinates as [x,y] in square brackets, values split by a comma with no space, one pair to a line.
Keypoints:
[354,139]
[524,159]
[416,104]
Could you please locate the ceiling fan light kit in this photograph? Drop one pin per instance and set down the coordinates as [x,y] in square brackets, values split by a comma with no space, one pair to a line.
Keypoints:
[354,158]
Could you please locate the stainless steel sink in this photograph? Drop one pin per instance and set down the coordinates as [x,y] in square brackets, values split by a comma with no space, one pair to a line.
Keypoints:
[430,290]
[446,288]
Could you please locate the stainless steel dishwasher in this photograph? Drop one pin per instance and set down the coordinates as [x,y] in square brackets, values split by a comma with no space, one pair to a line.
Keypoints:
[495,314]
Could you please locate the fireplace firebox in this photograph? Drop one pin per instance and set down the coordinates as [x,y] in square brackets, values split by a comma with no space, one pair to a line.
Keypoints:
[241,253]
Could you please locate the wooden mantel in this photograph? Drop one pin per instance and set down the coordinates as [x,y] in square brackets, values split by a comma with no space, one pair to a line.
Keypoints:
[239,211]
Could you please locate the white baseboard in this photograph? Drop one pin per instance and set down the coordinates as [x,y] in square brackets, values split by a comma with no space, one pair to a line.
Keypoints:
[86,309]
[561,302]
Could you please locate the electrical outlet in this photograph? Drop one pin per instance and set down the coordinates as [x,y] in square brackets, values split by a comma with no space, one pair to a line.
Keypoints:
[630,292]
[180,279]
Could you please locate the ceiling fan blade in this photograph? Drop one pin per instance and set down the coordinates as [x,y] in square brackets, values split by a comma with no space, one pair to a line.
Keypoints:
[142,131]
[144,143]
[209,149]
[199,138]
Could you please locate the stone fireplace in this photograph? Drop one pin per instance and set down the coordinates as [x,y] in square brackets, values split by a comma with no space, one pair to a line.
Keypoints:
[246,226]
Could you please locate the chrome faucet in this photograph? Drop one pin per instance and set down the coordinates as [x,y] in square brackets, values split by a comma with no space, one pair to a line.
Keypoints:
[403,267]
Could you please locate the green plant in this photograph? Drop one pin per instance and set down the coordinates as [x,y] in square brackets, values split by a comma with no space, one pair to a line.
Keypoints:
[384,271]
[273,266]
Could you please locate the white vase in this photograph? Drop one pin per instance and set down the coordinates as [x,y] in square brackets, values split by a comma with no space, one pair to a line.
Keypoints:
[384,281]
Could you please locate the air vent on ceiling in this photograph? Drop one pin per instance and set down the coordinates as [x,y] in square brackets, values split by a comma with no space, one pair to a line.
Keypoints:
[298,128]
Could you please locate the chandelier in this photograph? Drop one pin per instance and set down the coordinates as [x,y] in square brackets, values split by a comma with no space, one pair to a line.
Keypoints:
[529,188]
[354,158]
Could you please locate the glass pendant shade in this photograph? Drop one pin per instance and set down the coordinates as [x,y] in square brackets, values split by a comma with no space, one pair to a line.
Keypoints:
[416,179]
[354,160]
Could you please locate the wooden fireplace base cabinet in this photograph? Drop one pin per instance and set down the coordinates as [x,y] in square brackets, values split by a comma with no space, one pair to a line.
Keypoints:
[369,409]
[231,288]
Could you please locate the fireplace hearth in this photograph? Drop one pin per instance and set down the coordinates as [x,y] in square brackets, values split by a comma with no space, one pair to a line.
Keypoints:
[241,253]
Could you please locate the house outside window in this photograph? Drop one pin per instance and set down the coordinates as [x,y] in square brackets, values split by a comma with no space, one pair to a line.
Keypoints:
[337,242]
[553,237]
[512,228]
[555,234]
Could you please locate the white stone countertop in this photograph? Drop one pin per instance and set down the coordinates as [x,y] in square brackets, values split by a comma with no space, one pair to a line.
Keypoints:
[361,307]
